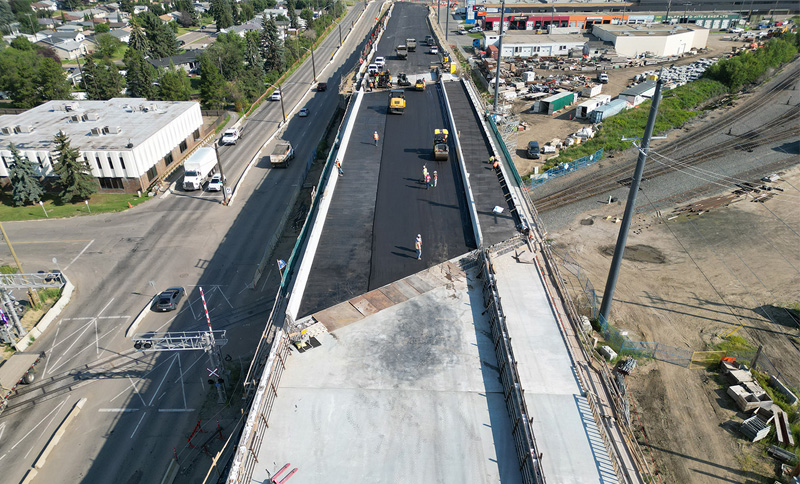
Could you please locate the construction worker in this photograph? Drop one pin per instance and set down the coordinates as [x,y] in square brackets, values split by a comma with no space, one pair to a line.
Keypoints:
[491,160]
[375,136]
[418,246]
[424,173]
[435,179]
[496,164]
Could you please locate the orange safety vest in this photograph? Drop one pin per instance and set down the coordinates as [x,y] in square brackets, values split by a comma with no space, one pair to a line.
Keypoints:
[418,245]
[375,135]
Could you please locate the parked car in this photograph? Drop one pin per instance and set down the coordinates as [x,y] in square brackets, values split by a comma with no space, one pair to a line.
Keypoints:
[215,184]
[168,300]
[276,96]
[475,30]
[380,62]
[533,150]
[303,112]
[322,86]
[603,78]
[434,50]
[230,137]
[372,68]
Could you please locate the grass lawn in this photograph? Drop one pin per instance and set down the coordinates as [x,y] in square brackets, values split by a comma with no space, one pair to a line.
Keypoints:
[98,203]
[182,30]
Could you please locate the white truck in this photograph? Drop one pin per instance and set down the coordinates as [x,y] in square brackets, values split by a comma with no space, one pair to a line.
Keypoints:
[198,167]
[281,155]
[230,137]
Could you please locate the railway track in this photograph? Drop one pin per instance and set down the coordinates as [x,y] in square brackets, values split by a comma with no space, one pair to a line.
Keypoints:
[778,129]
[121,365]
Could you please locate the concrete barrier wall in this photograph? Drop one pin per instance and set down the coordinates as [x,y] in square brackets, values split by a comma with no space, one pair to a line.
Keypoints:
[47,319]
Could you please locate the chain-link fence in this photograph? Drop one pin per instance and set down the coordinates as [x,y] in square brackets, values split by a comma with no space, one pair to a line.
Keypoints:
[563,169]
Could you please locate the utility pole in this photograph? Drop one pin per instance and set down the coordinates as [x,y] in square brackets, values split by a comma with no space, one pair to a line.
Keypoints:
[613,273]
[499,56]
[313,66]
[221,174]
[340,34]
[447,20]
[33,296]
[280,95]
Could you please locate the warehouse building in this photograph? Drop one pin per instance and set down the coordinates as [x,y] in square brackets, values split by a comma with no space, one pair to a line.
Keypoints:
[657,39]
[128,142]
[530,45]
[639,93]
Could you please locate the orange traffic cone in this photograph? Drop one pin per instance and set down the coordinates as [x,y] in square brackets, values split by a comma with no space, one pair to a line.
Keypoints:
[129,205]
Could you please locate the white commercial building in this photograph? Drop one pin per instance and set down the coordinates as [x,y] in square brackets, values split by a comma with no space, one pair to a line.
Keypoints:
[657,39]
[530,45]
[128,142]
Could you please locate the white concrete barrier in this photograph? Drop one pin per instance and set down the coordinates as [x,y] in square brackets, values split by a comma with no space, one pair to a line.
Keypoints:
[52,314]
[54,440]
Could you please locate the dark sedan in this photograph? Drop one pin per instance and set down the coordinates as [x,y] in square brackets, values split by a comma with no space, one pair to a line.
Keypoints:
[168,300]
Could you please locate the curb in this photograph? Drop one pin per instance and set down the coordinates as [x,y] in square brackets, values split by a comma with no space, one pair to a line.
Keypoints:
[47,319]
[58,434]
[140,317]
[172,472]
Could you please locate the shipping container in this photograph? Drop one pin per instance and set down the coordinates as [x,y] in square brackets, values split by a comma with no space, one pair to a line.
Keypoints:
[587,107]
[557,102]
[606,111]
[591,90]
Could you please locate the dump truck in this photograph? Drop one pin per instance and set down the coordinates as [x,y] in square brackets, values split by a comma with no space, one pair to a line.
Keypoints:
[402,80]
[441,151]
[18,369]
[397,101]
[420,84]
[198,168]
[402,51]
[411,44]
[281,155]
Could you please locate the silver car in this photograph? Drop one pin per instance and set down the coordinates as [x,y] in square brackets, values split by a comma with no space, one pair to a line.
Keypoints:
[215,184]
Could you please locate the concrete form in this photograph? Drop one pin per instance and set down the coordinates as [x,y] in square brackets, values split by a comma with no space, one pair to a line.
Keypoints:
[128,142]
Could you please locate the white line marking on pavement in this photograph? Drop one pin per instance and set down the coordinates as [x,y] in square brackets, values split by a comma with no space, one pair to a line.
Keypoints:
[40,423]
[87,318]
[118,410]
[223,295]
[183,390]
[266,279]
[136,390]
[162,381]
[187,370]
[96,339]
[138,424]
[58,328]
[79,254]
[176,410]
[2,430]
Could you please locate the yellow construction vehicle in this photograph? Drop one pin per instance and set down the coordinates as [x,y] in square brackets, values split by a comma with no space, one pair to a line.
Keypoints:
[383,79]
[397,101]
[420,84]
[441,151]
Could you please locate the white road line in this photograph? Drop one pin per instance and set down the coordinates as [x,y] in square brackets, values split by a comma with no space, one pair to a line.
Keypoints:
[79,254]
[58,328]
[87,326]
[246,287]
[118,410]
[2,431]
[190,366]
[183,390]
[41,434]
[96,339]
[267,278]
[55,365]
[87,318]
[162,381]
[76,354]
[138,424]
[40,423]
[137,391]
[223,295]
[176,410]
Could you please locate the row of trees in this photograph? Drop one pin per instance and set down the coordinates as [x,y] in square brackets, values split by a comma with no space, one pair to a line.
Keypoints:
[74,180]
[749,66]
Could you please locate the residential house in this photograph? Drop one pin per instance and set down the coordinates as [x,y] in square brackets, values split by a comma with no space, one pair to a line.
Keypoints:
[70,50]
[137,9]
[121,35]
[46,5]
[70,27]
[186,61]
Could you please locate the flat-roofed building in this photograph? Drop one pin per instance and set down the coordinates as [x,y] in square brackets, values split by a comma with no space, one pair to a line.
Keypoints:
[128,142]
[517,44]
[658,39]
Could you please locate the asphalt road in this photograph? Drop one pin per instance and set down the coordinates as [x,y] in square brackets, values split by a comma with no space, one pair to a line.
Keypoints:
[136,416]
[381,204]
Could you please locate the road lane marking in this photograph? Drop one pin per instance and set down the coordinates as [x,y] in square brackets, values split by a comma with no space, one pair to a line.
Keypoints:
[162,381]
[16,242]
[118,410]
[189,368]
[137,425]
[183,390]
[79,254]
[137,391]
[87,318]
[175,410]
[97,341]
[38,424]
[223,295]
[58,328]
[78,353]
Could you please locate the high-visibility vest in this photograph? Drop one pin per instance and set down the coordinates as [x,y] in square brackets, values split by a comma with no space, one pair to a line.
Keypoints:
[375,135]
[418,245]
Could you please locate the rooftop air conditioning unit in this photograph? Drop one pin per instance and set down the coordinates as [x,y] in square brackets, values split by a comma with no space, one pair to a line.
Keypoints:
[91,117]
[8,130]
[97,131]
[112,129]
[71,107]
[76,118]
[25,128]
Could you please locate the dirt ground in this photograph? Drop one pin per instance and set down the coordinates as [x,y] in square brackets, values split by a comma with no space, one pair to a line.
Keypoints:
[543,128]
[749,251]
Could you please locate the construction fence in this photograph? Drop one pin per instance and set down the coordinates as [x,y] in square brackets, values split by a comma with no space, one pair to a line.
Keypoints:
[563,169]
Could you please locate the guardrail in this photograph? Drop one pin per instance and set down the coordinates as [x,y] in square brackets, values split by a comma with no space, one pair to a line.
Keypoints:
[522,428]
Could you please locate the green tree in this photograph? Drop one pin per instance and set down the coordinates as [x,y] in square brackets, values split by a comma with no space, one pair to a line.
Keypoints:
[138,40]
[252,52]
[107,45]
[290,6]
[212,84]
[126,6]
[101,29]
[307,15]
[161,38]
[228,53]
[271,46]
[21,43]
[102,81]
[74,178]
[140,75]
[174,85]
[25,186]
[222,13]
[247,12]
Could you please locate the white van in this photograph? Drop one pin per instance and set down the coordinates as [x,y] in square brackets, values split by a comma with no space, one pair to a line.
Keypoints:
[372,69]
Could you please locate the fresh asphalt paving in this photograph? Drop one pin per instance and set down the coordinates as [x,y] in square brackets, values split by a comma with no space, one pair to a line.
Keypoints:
[134,419]
[381,204]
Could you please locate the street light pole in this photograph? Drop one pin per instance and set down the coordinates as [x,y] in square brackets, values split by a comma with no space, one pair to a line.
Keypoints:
[280,95]
[447,20]
[313,66]
[221,175]
[499,56]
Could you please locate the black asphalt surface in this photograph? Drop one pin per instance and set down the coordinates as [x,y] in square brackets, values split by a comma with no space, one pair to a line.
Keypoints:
[486,187]
[380,204]
[407,22]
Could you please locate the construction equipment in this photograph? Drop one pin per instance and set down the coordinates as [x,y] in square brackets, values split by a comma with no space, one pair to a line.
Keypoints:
[420,84]
[402,51]
[397,101]
[383,79]
[441,151]
[402,80]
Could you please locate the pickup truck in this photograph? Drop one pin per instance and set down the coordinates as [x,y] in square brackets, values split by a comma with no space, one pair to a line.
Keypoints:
[281,155]
[18,368]
[402,51]
[230,137]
